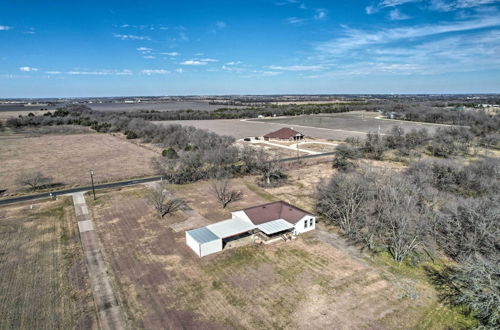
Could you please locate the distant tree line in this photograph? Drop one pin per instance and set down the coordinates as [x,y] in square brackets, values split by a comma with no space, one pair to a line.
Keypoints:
[237,113]
[479,121]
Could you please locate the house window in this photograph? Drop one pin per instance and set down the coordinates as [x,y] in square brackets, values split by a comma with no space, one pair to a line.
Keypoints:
[311,221]
[305,224]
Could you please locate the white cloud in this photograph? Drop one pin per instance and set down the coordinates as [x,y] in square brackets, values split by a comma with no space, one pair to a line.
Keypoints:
[233,63]
[53,72]
[231,67]
[296,67]
[209,60]
[179,70]
[449,5]
[101,73]
[27,69]
[170,53]
[5,28]
[220,25]
[397,15]
[259,73]
[295,20]
[355,39]
[320,14]
[183,36]
[270,73]
[193,62]
[149,57]
[150,72]
[394,3]
[144,49]
[440,5]
[130,37]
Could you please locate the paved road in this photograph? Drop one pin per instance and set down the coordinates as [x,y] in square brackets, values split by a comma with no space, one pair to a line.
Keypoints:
[118,184]
[79,189]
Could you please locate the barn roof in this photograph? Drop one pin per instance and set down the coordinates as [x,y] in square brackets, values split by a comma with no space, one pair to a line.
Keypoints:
[273,211]
[229,228]
[275,226]
[283,133]
[202,235]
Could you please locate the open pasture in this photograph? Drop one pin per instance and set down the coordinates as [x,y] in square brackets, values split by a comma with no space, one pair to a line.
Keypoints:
[44,282]
[331,126]
[67,159]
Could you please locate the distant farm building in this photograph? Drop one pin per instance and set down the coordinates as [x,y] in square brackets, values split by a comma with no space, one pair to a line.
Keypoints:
[285,133]
[265,223]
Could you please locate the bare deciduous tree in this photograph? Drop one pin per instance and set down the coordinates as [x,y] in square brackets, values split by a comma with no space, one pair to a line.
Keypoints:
[35,180]
[341,201]
[158,198]
[222,190]
[269,167]
[399,211]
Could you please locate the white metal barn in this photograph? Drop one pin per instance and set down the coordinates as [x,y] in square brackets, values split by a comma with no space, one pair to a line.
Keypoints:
[268,220]
[203,241]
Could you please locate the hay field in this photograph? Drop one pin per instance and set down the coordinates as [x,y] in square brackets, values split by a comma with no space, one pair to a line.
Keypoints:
[44,282]
[68,158]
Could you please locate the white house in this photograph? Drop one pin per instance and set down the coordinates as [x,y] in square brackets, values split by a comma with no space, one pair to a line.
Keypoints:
[271,219]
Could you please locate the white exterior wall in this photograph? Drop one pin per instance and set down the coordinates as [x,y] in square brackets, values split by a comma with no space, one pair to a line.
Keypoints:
[300,227]
[204,249]
[241,215]
[211,247]
[193,244]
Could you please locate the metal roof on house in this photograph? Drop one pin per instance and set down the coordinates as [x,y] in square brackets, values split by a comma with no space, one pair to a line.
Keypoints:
[275,226]
[283,133]
[203,235]
[274,211]
[231,227]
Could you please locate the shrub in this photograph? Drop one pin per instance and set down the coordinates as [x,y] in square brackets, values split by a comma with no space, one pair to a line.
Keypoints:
[131,134]
[345,156]
[170,153]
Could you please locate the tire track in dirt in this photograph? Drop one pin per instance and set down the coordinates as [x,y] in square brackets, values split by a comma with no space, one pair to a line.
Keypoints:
[108,309]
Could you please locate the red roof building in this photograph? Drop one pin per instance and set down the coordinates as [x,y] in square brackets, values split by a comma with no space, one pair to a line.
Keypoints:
[275,210]
[284,134]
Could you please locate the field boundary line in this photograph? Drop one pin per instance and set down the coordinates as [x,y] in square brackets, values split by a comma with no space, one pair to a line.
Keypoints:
[109,313]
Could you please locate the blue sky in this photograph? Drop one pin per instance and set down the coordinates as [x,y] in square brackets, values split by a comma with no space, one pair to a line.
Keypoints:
[111,48]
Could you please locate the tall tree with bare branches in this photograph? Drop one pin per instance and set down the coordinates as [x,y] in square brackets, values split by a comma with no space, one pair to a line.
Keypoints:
[224,193]
[35,180]
[158,197]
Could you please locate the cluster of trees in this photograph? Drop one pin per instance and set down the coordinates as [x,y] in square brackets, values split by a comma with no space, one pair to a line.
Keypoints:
[480,122]
[445,142]
[198,164]
[435,205]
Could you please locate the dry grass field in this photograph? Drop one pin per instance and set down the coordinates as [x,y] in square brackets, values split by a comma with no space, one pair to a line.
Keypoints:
[68,158]
[44,283]
[306,283]
[337,126]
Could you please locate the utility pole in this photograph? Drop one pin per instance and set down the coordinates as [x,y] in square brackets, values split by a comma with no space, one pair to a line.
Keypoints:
[92,180]
[298,154]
